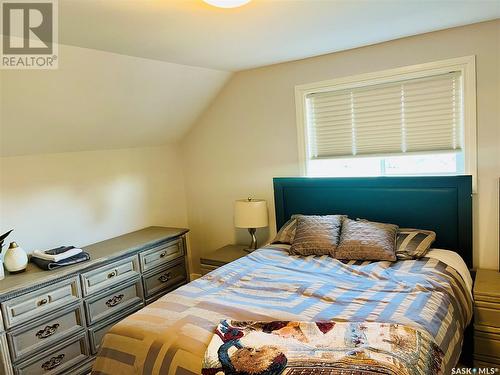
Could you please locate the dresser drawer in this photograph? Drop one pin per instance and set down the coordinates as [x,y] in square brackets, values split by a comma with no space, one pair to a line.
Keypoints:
[486,313]
[109,276]
[165,278]
[114,301]
[1,322]
[51,329]
[40,302]
[97,332]
[5,366]
[58,359]
[161,255]
[487,344]
[483,361]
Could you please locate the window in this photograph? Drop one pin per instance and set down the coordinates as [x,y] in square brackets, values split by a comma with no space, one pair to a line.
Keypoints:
[417,120]
[428,164]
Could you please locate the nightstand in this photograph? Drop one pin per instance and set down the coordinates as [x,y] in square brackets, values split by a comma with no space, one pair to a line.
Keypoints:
[487,319]
[219,257]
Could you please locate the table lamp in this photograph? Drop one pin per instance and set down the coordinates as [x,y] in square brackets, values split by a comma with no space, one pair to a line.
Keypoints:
[251,214]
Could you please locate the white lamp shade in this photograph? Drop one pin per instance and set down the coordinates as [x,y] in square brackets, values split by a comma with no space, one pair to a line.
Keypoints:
[250,213]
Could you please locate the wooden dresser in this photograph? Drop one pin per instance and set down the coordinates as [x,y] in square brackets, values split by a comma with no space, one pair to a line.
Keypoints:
[52,322]
[487,319]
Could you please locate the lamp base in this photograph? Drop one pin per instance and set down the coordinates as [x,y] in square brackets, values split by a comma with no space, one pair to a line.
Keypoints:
[253,243]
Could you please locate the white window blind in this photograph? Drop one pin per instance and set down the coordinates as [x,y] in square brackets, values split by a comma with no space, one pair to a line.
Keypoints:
[414,115]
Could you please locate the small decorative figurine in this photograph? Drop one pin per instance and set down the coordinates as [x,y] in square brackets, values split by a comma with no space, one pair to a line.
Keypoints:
[15,259]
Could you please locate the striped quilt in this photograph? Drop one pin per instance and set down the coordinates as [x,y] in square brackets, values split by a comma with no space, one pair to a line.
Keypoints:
[171,335]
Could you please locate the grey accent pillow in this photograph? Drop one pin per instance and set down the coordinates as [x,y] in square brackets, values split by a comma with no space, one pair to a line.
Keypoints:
[413,243]
[367,240]
[316,235]
[287,232]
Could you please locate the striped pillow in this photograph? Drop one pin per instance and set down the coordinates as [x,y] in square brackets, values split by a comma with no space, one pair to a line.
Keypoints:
[413,243]
[287,232]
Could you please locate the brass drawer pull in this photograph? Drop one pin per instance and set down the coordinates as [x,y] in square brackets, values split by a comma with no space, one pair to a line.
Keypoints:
[53,362]
[115,300]
[47,331]
[165,277]
[162,255]
[111,274]
[42,302]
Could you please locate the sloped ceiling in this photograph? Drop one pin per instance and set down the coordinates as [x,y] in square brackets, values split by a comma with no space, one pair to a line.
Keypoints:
[101,100]
[259,33]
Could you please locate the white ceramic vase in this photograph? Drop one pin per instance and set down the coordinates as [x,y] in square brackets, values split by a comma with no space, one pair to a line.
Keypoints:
[15,259]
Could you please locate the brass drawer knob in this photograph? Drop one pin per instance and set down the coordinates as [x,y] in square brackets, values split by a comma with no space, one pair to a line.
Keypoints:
[42,302]
[165,277]
[115,300]
[47,331]
[162,255]
[53,362]
[111,274]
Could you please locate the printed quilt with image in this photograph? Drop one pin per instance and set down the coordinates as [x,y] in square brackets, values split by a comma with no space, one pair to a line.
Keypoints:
[291,347]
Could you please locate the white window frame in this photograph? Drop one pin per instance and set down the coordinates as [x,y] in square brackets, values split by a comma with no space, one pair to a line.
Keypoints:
[466,65]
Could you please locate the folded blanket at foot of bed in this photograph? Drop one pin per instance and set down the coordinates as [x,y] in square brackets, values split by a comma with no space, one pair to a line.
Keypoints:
[285,347]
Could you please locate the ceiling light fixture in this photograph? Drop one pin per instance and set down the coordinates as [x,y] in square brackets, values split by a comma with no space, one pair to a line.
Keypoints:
[227,3]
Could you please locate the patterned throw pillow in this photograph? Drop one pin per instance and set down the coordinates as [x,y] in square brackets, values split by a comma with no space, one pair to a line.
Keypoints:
[414,243]
[287,232]
[316,235]
[367,240]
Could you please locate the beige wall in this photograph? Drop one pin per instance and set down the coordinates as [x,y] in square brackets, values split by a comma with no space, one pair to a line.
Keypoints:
[248,134]
[60,193]
[78,198]
[245,137]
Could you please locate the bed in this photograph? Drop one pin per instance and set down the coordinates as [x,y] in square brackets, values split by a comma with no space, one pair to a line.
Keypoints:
[432,294]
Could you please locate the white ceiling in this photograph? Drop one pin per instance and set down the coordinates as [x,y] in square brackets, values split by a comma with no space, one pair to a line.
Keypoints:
[260,33]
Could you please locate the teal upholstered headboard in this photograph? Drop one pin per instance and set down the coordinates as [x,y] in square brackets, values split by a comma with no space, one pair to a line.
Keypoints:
[441,204]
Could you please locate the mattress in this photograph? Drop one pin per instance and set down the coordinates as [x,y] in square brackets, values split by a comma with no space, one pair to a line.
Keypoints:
[171,335]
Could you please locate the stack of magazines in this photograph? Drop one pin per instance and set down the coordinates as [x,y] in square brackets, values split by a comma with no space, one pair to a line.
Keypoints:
[58,257]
